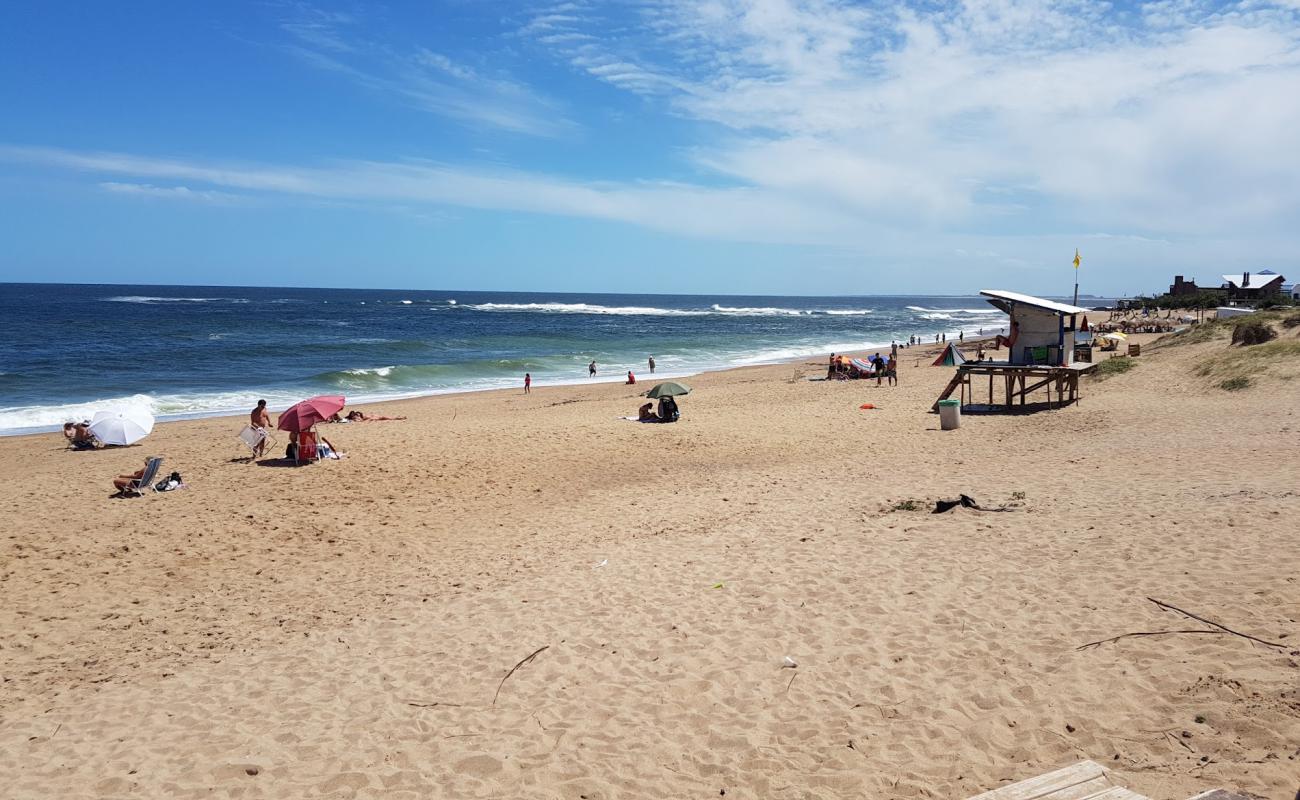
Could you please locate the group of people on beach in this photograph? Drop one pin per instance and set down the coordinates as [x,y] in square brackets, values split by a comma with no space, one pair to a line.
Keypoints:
[259,419]
[842,367]
[591,373]
[667,411]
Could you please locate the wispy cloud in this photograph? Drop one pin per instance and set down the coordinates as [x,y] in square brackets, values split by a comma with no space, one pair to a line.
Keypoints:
[422,78]
[1174,116]
[169,192]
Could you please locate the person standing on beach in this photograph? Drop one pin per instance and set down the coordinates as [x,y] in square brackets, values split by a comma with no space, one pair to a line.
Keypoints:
[893,349]
[591,369]
[528,382]
[260,420]
[891,370]
[652,365]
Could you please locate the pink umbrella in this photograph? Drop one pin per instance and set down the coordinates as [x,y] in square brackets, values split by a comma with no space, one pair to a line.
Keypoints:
[301,417]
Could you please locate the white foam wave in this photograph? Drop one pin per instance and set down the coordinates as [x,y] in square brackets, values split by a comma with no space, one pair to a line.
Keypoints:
[406,302]
[763,311]
[382,372]
[145,299]
[922,309]
[587,308]
[848,312]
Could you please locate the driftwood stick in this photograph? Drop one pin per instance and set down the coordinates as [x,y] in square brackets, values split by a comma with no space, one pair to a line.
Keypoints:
[522,661]
[1141,633]
[1215,624]
[433,705]
[791,683]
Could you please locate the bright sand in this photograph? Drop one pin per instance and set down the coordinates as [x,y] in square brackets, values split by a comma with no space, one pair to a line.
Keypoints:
[342,630]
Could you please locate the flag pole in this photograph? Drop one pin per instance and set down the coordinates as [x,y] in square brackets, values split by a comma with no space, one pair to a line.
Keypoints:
[1077,260]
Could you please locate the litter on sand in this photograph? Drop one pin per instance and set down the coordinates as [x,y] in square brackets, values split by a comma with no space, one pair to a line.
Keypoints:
[965,501]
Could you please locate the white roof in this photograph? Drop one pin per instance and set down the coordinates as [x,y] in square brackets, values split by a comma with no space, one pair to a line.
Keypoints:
[1256,280]
[1029,300]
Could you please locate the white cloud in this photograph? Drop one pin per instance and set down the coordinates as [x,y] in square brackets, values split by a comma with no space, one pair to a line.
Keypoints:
[168,192]
[1178,117]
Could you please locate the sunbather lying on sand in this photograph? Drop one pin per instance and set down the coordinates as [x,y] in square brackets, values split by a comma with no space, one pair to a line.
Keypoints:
[79,436]
[357,415]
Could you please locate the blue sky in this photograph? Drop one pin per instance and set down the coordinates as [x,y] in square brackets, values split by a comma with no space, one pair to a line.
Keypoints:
[746,146]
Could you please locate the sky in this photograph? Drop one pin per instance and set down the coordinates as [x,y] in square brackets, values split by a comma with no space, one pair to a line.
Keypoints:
[719,146]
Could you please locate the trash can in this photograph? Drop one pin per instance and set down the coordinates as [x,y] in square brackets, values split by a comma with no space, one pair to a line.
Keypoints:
[949,414]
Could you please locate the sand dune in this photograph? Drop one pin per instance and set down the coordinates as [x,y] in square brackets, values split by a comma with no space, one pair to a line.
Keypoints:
[342,630]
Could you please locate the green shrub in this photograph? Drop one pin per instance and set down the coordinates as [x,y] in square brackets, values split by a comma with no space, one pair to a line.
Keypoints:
[1114,366]
[906,505]
[1252,332]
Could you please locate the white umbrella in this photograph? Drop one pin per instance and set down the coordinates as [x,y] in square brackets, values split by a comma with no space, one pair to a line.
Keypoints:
[121,426]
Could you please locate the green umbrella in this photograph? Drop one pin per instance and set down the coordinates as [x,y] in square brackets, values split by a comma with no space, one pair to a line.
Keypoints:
[668,389]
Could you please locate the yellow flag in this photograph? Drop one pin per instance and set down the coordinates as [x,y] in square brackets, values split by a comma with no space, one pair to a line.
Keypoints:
[1076,258]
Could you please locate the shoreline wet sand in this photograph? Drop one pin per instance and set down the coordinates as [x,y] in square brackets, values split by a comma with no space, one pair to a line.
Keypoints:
[347,629]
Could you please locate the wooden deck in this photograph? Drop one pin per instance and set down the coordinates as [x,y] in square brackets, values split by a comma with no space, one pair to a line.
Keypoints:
[1017,382]
[1086,780]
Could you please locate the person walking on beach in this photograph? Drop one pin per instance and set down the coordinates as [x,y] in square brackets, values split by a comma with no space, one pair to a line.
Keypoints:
[652,365]
[528,382]
[260,420]
[591,369]
[891,370]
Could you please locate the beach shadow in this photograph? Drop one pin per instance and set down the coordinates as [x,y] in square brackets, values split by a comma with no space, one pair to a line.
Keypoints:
[978,409]
[282,462]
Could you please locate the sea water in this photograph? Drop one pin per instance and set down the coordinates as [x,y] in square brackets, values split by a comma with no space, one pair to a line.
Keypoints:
[68,350]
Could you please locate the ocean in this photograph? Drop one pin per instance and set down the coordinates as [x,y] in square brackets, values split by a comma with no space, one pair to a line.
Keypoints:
[68,350]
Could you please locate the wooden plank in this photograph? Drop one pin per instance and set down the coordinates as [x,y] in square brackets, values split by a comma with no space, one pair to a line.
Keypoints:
[952,384]
[1113,793]
[1078,774]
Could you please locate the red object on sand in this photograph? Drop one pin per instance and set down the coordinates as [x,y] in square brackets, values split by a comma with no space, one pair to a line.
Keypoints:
[301,417]
[306,448]
[866,406]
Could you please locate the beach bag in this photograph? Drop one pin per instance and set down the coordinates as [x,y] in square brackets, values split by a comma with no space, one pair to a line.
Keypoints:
[171,482]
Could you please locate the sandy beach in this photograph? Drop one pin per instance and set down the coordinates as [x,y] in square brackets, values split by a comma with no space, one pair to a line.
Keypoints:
[348,629]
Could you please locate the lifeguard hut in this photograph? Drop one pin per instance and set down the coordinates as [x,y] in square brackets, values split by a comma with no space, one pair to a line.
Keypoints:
[1040,354]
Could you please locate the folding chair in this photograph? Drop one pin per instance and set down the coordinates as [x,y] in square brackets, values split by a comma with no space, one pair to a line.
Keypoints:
[252,437]
[145,481]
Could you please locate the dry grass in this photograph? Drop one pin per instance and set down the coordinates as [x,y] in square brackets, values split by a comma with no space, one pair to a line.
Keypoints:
[1243,367]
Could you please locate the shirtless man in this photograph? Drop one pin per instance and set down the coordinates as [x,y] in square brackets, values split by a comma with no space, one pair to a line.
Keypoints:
[260,419]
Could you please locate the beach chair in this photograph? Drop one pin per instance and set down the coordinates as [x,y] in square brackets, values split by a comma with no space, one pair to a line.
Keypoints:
[1086,780]
[145,481]
[252,437]
[306,448]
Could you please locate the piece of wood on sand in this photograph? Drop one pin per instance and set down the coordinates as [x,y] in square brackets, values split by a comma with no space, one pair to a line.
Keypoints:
[1086,780]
